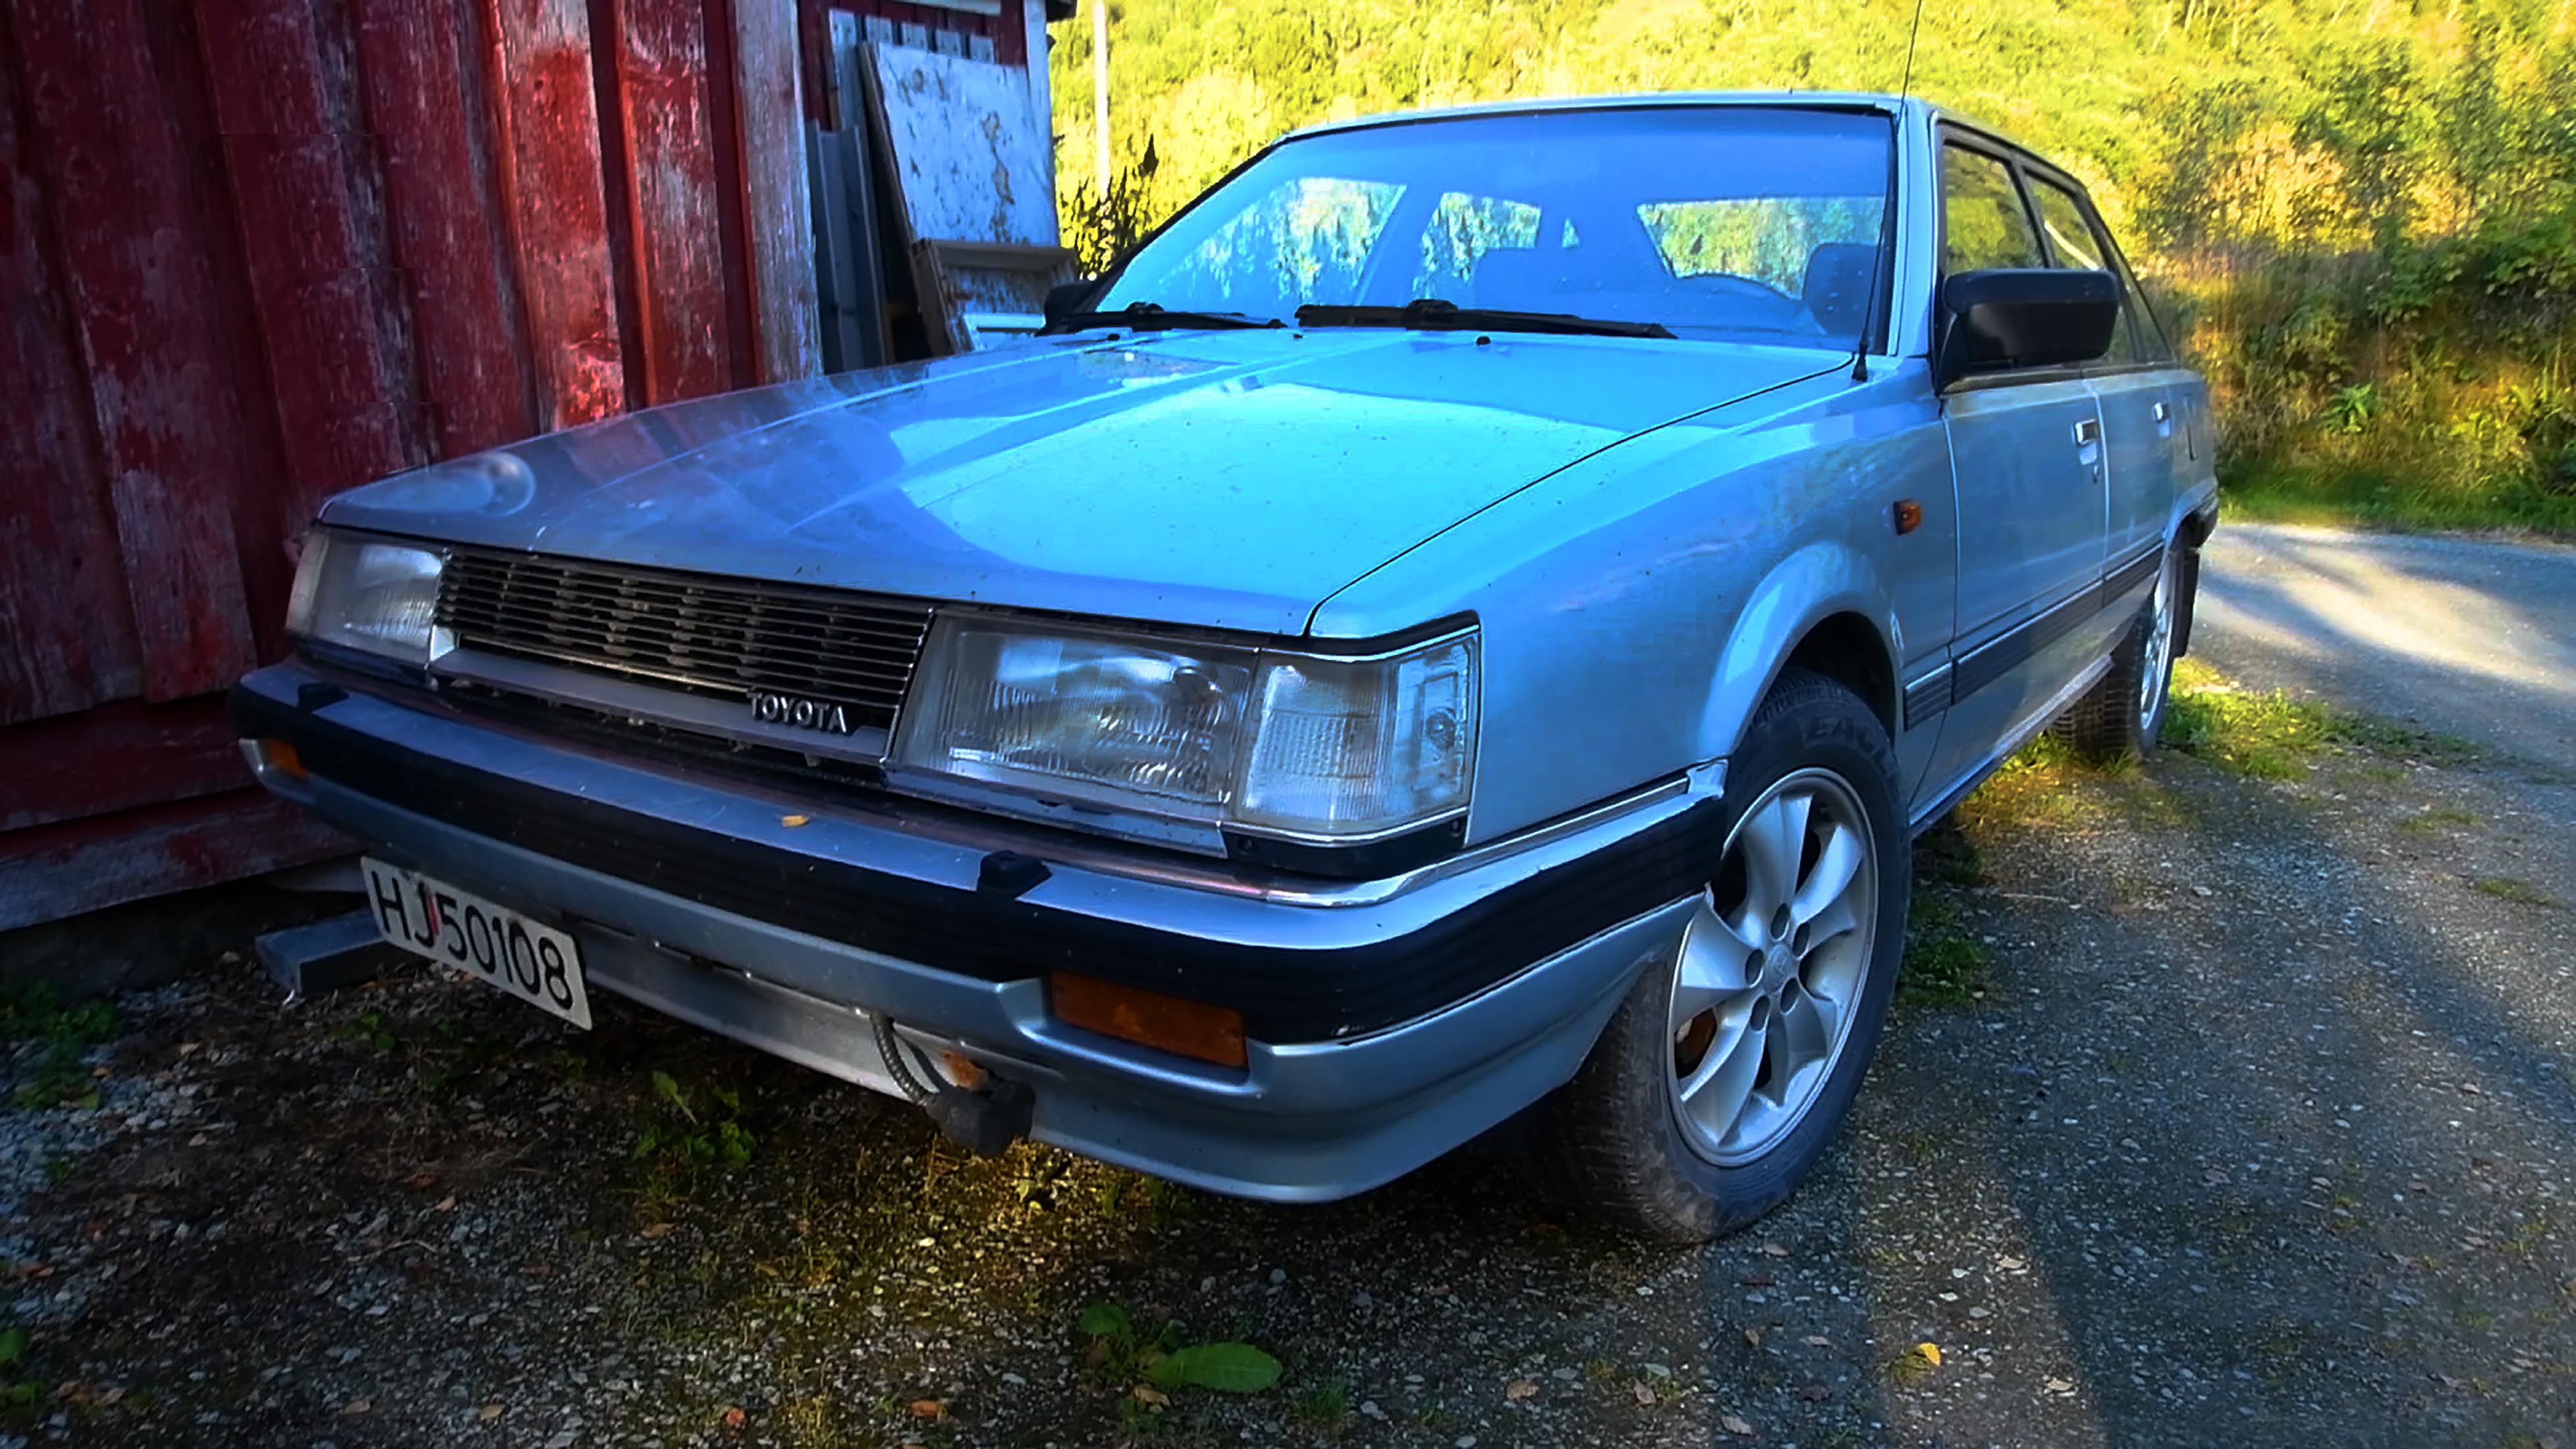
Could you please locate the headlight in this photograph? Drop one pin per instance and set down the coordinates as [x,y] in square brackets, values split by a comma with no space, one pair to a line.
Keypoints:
[368,594]
[1272,742]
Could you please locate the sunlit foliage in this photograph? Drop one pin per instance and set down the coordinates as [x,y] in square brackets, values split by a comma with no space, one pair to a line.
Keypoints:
[2362,212]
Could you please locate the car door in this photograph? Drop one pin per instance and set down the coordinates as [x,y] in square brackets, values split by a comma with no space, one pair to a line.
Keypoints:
[2138,389]
[2026,457]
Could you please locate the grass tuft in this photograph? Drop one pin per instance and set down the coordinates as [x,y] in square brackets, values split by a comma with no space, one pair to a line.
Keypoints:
[2521,893]
[2273,735]
[1944,965]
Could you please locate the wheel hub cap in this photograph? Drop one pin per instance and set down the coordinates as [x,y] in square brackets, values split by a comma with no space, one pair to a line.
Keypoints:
[1771,967]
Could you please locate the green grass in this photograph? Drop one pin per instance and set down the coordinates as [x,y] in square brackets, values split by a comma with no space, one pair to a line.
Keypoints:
[54,1072]
[2272,735]
[2435,819]
[1943,966]
[2521,893]
[2365,498]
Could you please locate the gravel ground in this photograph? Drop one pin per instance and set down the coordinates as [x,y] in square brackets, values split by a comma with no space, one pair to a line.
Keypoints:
[2255,1129]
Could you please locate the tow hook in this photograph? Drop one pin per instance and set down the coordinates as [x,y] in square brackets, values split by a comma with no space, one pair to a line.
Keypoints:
[984,1121]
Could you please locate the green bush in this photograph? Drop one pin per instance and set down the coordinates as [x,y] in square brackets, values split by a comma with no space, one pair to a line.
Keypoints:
[2362,218]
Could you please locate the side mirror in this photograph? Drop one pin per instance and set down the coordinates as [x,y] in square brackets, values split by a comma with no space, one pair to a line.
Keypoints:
[2026,317]
[1066,298]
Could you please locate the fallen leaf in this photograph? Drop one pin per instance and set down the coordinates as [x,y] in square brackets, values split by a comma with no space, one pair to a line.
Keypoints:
[1643,1394]
[2216,1178]
[654,1230]
[733,1419]
[1776,1249]
[1735,1425]
[792,821]
[1519,1389]
[1438,1290]
[1753,1336]
[493,1410]
[1817,1340]
[446,1204]
[1915,1362]
[355,1407]
[1148,1394]
[420,1182]
[927,1409]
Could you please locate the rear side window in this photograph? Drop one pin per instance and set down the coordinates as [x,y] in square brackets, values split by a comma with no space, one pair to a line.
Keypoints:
[2077,240]
[1983,221]
[2072,242]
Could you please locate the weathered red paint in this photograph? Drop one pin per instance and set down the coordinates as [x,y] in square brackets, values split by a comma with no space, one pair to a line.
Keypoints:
[673,215]
[116,757]
[550,183]
[167,412]
[778,219]
[422,75]
[66,630]
[256,251]
[314,244]
[61,870]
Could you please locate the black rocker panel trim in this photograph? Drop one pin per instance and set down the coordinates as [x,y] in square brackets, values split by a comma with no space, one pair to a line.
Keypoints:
[1285,994]
[1998,657]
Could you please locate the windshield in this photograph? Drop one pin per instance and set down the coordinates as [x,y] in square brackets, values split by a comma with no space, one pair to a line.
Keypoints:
[1737,221]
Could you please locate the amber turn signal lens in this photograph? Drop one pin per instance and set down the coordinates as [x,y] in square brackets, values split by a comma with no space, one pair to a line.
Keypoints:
[282,758]
[1148,1018]
[1909,516]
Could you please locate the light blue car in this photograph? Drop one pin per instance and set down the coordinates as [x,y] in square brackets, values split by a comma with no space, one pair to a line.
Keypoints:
[1459,629]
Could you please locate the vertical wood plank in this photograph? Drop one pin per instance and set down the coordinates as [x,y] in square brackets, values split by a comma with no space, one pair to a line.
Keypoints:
[66,630]
[419,66]
[142,293]
[309,208]
[778,213]
[557,206]
[671,196]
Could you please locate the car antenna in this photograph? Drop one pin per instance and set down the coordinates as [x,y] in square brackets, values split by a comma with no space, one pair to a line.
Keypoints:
[1885,261]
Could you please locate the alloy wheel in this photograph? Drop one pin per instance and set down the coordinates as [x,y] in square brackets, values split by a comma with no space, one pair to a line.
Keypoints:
[2158,652]
[1772,966]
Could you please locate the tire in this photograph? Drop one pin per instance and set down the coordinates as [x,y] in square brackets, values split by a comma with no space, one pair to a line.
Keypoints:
[2121,717]
[1621,1141]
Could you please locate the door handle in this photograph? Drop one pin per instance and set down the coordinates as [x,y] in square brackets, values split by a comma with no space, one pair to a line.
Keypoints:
[2164,412]
[2088,431]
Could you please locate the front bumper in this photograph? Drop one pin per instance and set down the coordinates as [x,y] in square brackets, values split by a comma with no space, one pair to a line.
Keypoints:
[1390,1020]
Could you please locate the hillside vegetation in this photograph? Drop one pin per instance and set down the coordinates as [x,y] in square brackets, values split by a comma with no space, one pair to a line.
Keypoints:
[2362,212]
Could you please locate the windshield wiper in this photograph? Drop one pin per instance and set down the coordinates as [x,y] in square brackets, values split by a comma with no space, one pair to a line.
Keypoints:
[1151,316]
[1434,314]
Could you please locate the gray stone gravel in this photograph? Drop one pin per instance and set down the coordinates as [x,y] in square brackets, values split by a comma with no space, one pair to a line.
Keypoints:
[2258,1134]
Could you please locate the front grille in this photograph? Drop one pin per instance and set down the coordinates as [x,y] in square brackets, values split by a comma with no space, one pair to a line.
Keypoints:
[691,632]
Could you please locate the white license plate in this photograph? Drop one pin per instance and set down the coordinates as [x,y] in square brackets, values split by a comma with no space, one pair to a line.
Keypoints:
[494,944]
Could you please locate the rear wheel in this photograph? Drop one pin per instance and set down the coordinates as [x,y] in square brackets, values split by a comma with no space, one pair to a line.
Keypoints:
[1726,1072]
[2122,715]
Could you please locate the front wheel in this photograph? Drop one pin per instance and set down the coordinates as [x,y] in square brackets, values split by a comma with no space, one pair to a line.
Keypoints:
[1728,1069]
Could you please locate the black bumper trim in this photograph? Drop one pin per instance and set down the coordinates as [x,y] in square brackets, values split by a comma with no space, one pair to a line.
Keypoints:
[1285,994]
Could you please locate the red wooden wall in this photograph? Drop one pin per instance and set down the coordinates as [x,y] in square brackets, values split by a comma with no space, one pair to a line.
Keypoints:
[256,251]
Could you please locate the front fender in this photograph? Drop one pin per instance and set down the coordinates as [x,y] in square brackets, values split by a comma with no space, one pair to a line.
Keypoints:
[1803,590]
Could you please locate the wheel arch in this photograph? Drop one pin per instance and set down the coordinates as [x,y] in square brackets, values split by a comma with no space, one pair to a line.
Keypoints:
[1822,609]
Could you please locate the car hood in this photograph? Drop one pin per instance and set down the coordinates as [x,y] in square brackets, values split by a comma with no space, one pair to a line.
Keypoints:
[1228,480]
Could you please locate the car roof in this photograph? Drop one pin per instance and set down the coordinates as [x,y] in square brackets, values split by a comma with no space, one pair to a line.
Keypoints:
[1815,100]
